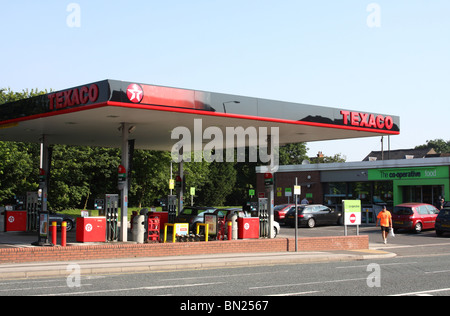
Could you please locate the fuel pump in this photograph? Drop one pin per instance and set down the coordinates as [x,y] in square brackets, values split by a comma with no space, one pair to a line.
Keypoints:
[172,208]
[263,214]
[112,216]
[32,211]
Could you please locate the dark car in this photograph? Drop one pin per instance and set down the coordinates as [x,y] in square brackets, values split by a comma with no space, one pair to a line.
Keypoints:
[443,222]
[193,215]
[312,215]
[280,212]
[59,218]
[414,216]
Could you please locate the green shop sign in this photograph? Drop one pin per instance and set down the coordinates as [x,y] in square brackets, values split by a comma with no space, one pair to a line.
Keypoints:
[409,173]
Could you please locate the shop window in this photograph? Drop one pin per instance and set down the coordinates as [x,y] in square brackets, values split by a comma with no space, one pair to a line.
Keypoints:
[335,192]
[383,193]
[361,191]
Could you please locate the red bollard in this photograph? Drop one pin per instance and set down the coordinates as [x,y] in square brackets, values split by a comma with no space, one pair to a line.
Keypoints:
[54,232]
[230,230]
[63,234]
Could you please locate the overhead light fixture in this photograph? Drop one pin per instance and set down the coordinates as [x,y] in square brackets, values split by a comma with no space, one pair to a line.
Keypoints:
[224,109]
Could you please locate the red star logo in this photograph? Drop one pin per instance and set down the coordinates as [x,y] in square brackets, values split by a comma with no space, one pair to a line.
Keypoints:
[135,93]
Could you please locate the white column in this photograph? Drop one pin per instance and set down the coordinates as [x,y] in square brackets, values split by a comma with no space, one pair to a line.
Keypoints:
[272,188]
[45,166]
[124,190]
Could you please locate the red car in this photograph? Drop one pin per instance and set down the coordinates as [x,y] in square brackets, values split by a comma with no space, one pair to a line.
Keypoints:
[414,216]
[280,212]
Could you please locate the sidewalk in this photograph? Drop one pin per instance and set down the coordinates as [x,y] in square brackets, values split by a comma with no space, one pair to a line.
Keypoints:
[155,264]
[187,261]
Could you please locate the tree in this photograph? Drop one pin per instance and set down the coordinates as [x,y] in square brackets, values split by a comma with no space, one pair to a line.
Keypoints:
[18,169]
[439,145]
[196,174]
[151,174]
[19,162]
[293,154]
[6,95]
[69,177]
[220,183]
[329,159]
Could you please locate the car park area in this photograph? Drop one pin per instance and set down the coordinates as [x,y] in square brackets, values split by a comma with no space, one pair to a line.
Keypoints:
[405,243]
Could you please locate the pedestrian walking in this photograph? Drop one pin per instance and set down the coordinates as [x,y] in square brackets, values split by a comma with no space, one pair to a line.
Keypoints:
[384,218]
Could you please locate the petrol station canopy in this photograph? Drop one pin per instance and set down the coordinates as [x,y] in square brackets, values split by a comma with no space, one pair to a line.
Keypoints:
[91,115]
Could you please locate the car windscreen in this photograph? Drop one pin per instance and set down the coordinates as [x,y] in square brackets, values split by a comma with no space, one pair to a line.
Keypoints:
[201,212]
[188,211]
[402,210]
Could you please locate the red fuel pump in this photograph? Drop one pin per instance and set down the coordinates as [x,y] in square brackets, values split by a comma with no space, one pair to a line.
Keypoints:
[154,229]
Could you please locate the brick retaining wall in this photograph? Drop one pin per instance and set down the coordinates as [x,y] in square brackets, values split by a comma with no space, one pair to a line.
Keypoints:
[119,250]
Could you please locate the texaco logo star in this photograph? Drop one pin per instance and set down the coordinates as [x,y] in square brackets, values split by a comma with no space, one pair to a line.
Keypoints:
[135,93]
[89,227]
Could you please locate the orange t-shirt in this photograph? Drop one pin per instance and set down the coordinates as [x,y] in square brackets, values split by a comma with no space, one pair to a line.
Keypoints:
[385,218]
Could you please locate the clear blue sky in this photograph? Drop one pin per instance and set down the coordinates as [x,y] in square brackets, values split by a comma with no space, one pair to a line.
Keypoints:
[317,52]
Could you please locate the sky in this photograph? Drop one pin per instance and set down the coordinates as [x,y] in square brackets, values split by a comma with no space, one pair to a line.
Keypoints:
[390,57]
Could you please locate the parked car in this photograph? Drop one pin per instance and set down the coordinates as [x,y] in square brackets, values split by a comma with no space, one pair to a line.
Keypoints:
[280,212]
[59,218]
[312,215]
[227,213]
[193,215]
[443,222]
[276,228]
[414,216]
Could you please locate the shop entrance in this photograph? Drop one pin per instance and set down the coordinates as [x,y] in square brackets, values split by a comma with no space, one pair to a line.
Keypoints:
[423,193]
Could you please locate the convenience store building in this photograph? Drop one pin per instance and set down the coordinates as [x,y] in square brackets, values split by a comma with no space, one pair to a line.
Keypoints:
[388,182]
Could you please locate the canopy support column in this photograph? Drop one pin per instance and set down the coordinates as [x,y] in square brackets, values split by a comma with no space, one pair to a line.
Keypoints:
[43,215]
[124,187]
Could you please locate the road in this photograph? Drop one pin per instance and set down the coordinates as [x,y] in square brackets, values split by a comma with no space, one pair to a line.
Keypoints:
[421,268]
[404,244]
[424,275]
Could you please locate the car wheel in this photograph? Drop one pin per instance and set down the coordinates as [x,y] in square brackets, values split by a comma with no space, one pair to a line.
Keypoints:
[275,232]
[69,225]
[311,223]
[439,233]
[418,228]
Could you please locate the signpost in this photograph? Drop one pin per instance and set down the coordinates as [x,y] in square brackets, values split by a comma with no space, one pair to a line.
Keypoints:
[192,195]
[352,214]
[297,193]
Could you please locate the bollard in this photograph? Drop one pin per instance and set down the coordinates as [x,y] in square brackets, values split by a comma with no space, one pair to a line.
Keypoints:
[63,234]
[54,232]
[230,230]
[206,230]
